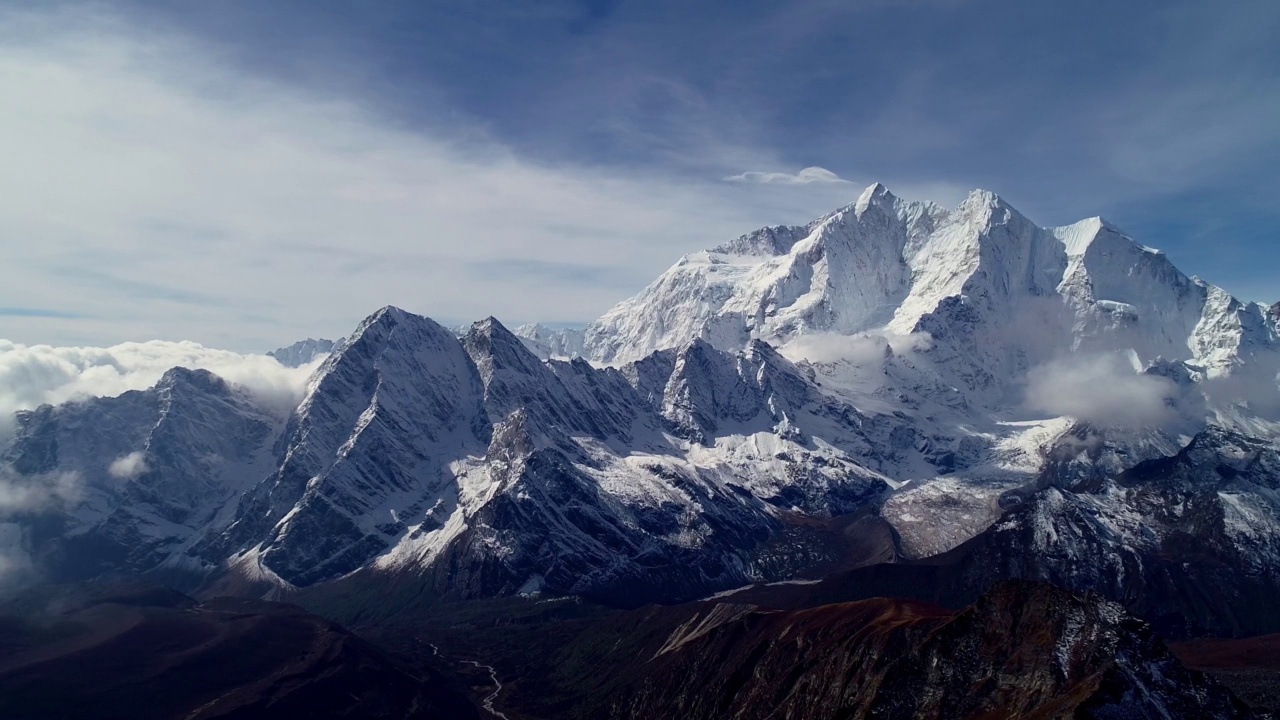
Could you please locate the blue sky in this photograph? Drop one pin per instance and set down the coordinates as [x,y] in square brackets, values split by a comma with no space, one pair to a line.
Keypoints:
[240,173]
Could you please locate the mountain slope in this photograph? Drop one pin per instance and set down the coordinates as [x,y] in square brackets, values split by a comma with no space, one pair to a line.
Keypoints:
[370,444]
[128,483]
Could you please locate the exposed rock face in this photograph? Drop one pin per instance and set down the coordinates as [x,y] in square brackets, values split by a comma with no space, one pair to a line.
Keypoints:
[1023,650]
[1190,542]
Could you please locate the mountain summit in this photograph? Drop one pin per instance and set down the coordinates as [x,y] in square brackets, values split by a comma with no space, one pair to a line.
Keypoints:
[883,264]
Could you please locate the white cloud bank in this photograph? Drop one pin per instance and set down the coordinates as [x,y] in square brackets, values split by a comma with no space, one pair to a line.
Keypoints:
[34,375]
[1103,390]
[807,176]
[40,374]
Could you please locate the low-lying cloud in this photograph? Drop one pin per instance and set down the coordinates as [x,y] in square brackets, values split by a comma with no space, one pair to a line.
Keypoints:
[1103,390]
[21,496]
[1256,387]
[807,176]
[31,376]
[129,466]
[33,493]
[15,558]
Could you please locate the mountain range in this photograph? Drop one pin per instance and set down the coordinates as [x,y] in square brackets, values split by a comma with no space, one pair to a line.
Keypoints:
[896,400]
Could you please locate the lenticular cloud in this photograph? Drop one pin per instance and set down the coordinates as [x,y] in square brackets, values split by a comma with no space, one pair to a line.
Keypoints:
[31,376]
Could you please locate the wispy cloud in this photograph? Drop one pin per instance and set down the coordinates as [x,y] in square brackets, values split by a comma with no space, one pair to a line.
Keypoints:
[807,176]
[25,312]
[159,184]
[204,169]
[556,272]
[21,496]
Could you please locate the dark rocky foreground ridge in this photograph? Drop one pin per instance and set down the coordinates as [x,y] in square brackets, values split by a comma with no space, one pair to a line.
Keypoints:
[130,652]
[1024,650]
[1250,667]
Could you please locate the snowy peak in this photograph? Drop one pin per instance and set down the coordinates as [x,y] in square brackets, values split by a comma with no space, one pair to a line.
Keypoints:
[548,342]
[179,379]
[876,194]
[384,320]
[494,348]
[302,352]
[711,392]
[985,252]
[999,293]
[552,396]
[704,391]
[135,478]
[878,261]
[1078,237]
[396,350]
[386,414]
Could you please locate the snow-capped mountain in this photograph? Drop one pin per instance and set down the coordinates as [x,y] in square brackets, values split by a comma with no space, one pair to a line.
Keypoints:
[129,483]
[547,343]
[371,442]
[475,458]
[887,265]
[886,383]
[302,352]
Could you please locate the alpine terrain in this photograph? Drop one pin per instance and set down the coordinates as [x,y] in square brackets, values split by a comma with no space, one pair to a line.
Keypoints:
[955,408]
